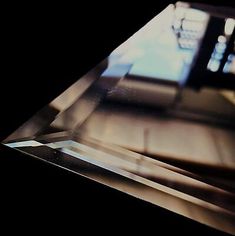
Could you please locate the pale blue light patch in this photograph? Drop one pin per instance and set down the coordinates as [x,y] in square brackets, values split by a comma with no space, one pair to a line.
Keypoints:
[31,143]
[164,60]
[156,65]
[119,70]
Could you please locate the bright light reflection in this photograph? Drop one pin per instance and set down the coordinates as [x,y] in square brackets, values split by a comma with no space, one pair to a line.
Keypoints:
[229,26]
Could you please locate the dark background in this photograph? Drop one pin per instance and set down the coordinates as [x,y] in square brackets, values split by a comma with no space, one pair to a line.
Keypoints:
[45,49]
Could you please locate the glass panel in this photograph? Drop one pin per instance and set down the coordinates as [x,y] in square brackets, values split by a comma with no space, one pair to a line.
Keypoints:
[139,122]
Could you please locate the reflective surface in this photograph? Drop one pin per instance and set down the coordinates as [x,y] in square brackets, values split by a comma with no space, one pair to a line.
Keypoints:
[138,122]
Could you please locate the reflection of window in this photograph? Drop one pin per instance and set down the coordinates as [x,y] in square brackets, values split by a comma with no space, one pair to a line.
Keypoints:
[229,26]
[217,54]
[219,50]
[188,25]
[229,66]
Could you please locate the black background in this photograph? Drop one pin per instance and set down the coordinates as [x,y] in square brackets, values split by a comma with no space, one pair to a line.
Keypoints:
[45,49]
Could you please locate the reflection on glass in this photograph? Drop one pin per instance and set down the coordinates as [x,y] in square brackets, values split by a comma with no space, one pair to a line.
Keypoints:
[229,26]
[151,119]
